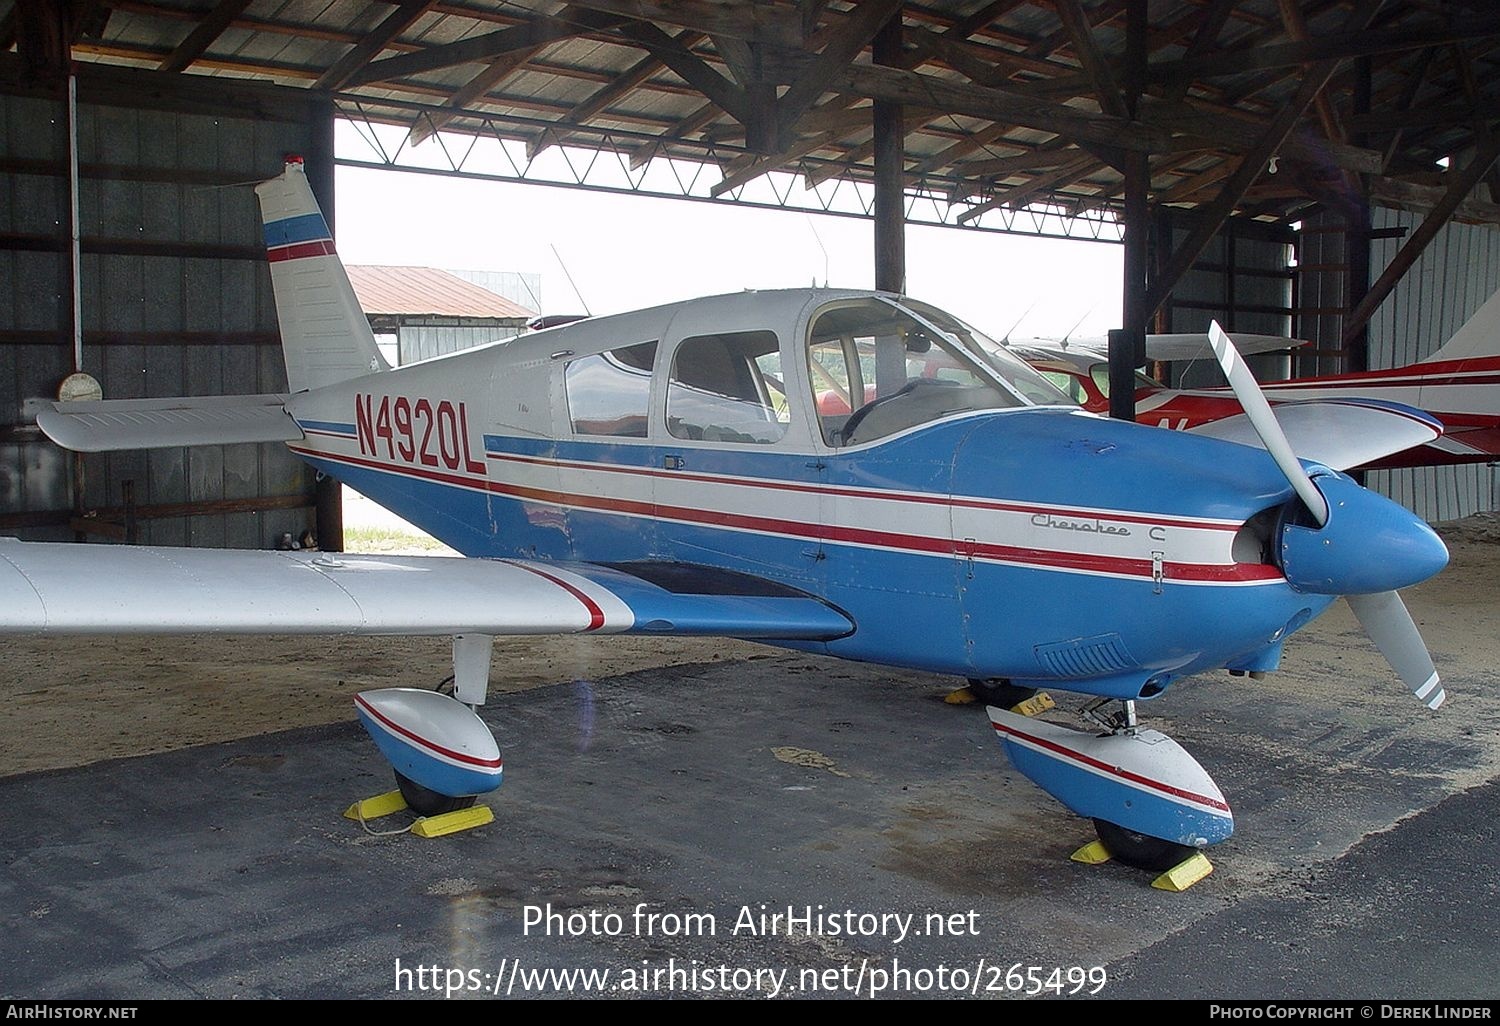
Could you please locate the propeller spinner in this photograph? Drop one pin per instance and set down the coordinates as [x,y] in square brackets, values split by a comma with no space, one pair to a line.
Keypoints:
[1361,546]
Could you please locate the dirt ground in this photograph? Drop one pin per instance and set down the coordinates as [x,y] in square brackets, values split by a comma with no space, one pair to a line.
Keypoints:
[79,700]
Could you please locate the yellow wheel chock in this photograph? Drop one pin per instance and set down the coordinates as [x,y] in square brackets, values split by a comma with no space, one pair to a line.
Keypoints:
[425,826]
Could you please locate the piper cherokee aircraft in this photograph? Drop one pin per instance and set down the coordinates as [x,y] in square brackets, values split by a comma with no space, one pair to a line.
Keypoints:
[1457,384]
[668,471]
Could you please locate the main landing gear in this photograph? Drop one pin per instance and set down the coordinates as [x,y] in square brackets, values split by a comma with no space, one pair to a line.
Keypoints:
[1154,807]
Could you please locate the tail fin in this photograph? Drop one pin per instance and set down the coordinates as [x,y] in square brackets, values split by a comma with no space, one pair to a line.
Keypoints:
[325,337]
[1479,336]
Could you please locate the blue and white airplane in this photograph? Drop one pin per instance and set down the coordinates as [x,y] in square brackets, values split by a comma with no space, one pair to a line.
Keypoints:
[683,470]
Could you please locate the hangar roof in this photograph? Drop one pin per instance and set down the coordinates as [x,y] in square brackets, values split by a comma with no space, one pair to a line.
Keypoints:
[1007,102]
[428,291]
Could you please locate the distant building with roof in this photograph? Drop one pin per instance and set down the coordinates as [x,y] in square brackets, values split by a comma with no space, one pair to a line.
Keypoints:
[422,312]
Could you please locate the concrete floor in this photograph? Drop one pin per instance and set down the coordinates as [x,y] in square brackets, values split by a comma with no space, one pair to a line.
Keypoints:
[1360,865]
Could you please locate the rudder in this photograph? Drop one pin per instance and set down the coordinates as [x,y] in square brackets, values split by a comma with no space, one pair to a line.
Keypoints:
[325,337]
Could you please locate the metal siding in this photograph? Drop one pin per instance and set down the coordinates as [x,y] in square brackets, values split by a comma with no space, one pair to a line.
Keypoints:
[1459,270]
[152,295]
[1208,283]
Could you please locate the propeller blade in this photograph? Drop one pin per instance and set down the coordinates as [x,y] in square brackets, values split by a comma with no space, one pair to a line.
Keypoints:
[1248,392]
[1384,617]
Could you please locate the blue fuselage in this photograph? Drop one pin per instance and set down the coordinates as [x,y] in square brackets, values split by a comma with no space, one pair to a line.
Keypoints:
[1039,545]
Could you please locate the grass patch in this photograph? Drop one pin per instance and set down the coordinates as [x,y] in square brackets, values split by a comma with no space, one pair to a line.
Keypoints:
[389,539]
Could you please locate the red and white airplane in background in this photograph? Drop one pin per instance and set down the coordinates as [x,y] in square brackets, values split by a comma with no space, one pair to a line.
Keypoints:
[1457,384]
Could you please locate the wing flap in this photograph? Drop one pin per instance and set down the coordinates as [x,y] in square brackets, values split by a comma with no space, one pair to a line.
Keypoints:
[107,425]
[57,588]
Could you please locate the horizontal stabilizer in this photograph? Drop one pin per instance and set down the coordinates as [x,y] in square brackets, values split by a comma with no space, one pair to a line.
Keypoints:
[1338,433]
[109,425]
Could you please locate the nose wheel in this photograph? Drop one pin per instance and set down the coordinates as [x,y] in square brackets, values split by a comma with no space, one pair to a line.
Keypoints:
[999,691]
[424,801]
[1153,854]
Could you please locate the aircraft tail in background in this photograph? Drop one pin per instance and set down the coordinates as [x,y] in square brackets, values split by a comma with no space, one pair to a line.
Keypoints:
[1478,338]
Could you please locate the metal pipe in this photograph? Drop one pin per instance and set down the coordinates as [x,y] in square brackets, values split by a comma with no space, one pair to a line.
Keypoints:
[75,269]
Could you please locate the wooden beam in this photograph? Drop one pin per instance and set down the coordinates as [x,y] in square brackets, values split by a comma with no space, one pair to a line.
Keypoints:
[890,167]
[686,126]
[751,166]
[1017,195]
[1102,80]
[626,82]
[1296,30]
[1458,189]
[1396,119]
[985,137]
[202,37]
[1238,130]
[374,41]
[1194,184]
[1001,105]
[759,22]
[501,68]
[852,36]
[1054,154]
[1210,25]
[1421,198]
[691,69]
[1217,212]
[484,48]
[1337,46]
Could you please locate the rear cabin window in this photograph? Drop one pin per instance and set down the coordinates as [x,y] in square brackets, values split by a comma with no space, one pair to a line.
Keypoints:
[610,393]
[728,388]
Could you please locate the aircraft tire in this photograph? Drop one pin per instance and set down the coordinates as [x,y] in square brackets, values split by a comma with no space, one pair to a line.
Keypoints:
[426,802]
[1142,851]
[999,692]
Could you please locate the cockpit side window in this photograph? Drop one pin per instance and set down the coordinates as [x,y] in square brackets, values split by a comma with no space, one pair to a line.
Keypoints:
[609,393]
[728,388]
[876,370]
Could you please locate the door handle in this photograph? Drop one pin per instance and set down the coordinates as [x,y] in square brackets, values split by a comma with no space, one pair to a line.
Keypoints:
[672,462]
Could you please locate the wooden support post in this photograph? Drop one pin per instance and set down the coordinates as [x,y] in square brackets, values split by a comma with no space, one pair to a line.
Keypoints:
[890,158]
[1127,348]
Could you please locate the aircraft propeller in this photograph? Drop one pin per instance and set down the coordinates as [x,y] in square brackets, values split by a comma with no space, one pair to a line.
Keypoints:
[1392,552]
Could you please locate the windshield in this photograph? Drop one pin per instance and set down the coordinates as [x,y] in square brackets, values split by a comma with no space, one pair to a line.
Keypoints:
[876,370]
[1016,372]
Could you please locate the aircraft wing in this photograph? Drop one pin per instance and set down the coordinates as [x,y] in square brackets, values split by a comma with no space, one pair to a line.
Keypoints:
[1338,433]
[1191,345]
[59,588]
[1194,345]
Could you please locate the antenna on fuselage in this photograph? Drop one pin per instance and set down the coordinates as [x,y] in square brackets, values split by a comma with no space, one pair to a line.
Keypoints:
[1086,315]
[1016,324]
[571,282]
[819,240]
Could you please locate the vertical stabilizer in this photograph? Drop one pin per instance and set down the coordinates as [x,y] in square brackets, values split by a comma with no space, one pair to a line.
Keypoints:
[1479,336]
[324,334]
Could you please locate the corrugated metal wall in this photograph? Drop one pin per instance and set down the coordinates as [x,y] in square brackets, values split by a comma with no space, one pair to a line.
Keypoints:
[1455,274]
[426,337]
[1240,279]
[176,298]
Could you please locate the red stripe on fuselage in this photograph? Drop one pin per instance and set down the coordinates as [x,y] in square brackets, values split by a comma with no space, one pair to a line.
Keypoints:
[1220,573]
[867,493]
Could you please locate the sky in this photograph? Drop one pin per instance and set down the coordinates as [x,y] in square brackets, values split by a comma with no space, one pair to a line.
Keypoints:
[626,252]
